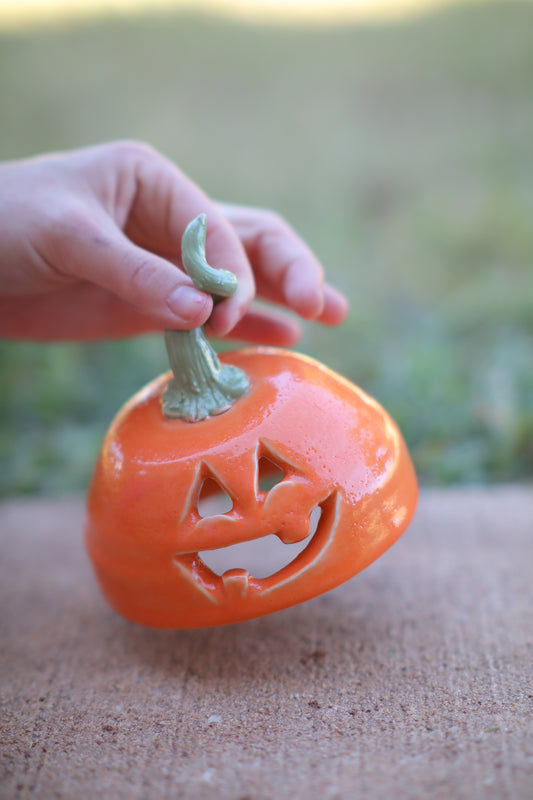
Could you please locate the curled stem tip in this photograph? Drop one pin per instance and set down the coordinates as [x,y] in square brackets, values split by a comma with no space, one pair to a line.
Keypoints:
[218,283]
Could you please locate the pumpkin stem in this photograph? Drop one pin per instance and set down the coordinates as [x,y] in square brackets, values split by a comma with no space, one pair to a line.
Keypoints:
[202,386]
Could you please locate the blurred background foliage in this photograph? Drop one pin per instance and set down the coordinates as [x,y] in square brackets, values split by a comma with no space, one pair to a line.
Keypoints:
[401,151]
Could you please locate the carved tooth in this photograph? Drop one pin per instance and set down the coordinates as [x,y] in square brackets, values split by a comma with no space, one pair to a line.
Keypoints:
[193,571]
[236,582]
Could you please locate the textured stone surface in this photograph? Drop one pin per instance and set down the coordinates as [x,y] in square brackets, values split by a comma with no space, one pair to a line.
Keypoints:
[413,680]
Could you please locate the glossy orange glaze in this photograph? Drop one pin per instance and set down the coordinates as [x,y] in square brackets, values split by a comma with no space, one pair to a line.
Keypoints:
[338,449]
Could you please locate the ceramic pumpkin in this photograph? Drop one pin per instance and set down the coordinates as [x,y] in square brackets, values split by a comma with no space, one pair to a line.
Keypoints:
[296,450]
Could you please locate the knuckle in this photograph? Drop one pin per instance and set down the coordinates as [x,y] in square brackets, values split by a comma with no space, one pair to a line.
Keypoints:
[273,232]
[141,277]
[131,150]
[69,223]
[275,223]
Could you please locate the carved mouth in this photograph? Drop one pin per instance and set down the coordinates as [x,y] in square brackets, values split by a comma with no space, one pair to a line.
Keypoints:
[256,565]
[258,557]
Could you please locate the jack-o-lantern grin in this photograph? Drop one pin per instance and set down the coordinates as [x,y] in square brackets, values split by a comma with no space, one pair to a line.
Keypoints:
[209,571]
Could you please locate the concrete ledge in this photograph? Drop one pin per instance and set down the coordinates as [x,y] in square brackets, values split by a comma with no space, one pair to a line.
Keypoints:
[413,680]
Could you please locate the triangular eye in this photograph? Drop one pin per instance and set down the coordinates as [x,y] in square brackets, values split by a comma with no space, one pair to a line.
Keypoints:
[269,474]
[213,499]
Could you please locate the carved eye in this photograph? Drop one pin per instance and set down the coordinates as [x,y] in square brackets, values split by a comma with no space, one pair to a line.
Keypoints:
[272,468]
[269,474]
[213,499]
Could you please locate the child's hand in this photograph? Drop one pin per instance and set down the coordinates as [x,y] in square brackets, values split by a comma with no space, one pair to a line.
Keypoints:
[90,248]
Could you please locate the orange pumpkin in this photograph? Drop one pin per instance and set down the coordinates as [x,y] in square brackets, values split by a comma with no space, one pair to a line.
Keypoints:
[330,453]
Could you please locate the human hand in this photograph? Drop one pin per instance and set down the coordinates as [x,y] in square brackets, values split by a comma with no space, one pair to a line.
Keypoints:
[90,248]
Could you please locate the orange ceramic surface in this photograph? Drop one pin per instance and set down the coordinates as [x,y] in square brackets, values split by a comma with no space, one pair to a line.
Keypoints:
[336,449]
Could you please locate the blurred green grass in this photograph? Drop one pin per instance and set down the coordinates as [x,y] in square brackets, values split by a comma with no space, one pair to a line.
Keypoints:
[402,152]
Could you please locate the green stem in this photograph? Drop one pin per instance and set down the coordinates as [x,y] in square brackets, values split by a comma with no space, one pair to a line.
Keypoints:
[201,387]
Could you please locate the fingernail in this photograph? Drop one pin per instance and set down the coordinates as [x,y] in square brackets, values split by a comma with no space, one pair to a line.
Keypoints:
[187,303]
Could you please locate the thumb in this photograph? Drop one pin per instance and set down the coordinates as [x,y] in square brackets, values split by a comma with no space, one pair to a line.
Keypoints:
[153,285]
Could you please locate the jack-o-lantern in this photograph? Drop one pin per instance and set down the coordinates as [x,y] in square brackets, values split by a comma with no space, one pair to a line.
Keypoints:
[297,452]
